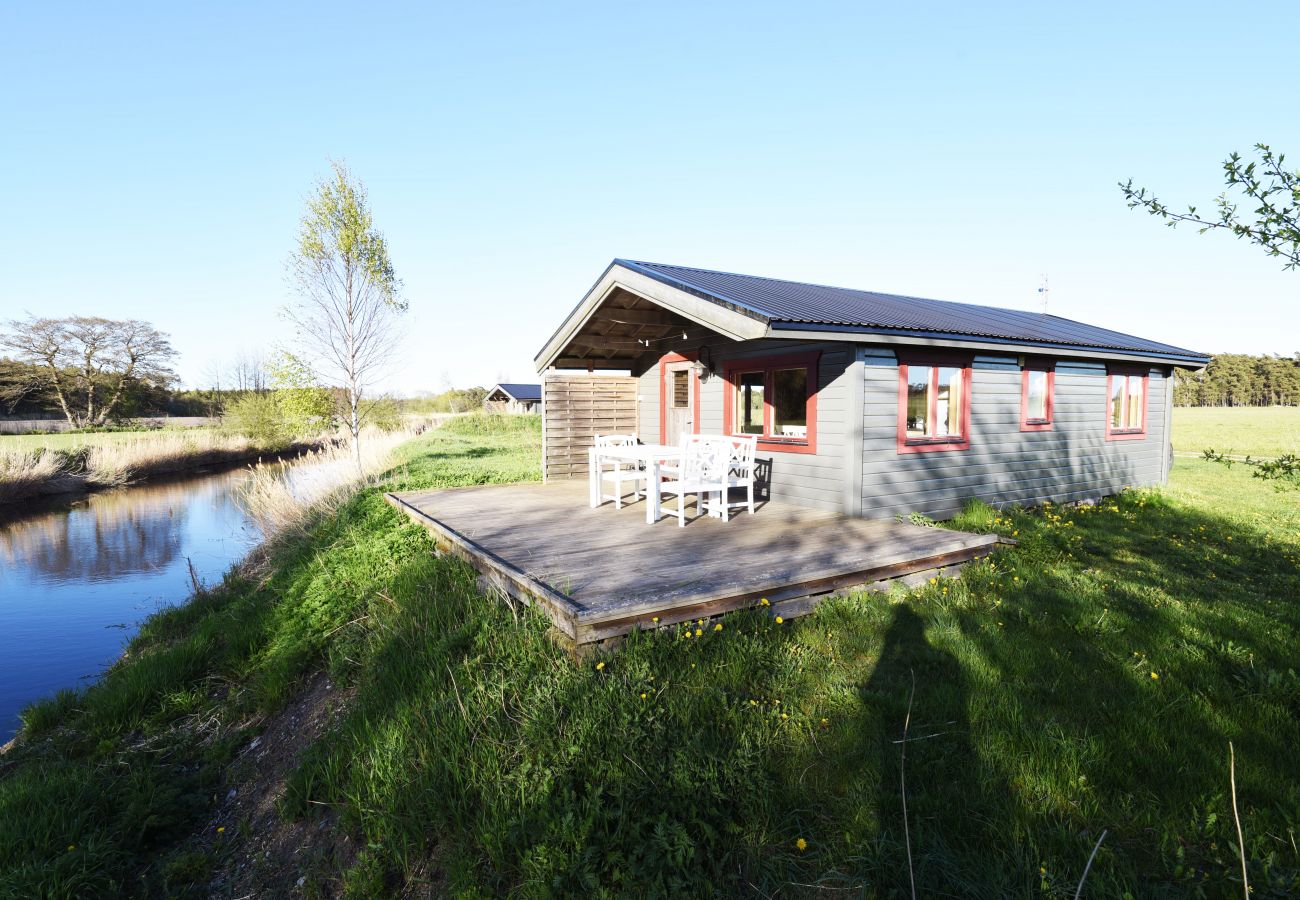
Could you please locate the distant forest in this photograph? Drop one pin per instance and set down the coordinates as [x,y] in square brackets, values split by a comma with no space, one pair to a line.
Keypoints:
[1236,379]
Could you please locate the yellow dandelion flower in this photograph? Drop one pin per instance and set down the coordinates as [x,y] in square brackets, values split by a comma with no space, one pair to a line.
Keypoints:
[801,845]
[655,619]
[644,695]
[699,621]
[785,715]
[717,627]
[1155,677]
[825,721]
[764,602]
[699,632]
[599,666]
[221,829]
[779,620]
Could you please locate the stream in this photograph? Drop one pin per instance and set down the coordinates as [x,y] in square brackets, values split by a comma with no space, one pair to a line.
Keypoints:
[78,576]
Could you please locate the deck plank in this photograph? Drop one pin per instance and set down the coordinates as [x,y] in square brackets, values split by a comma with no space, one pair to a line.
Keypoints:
[603,568]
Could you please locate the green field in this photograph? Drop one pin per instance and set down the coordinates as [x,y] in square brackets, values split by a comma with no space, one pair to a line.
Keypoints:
[1239,431]
[1088,679]
[18,442]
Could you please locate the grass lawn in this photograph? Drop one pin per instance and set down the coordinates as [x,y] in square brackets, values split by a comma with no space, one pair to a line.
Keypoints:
[1240,431]
[1089,679]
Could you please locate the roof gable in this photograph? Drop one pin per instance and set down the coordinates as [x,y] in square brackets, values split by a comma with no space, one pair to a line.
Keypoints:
[518,391]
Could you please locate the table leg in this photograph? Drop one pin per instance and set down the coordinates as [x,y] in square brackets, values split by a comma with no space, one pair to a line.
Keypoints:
[593,478]
[652,492]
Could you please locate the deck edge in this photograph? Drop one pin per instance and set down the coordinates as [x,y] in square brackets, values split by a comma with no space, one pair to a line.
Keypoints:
[562,610]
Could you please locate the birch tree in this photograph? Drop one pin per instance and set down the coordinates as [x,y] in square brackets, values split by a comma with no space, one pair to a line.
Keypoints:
[349,298]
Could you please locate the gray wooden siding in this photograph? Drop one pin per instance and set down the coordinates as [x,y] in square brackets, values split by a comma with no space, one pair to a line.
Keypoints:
[858,470]
[1004,465]
[815,480]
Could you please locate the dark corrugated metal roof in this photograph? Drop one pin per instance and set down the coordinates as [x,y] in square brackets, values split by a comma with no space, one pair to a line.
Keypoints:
[522,391]
[796,304]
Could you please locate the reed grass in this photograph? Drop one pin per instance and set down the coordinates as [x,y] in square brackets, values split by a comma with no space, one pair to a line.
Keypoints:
[23,473]
[284,498]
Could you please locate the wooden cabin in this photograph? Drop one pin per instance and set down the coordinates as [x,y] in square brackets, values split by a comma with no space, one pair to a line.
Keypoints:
[864,403]
[517,399]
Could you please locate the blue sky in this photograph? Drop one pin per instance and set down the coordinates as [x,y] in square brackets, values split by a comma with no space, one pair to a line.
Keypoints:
[155,159]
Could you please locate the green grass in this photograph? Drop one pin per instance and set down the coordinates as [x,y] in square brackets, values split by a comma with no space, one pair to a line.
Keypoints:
[1240,431]
[477,750]
[69,441]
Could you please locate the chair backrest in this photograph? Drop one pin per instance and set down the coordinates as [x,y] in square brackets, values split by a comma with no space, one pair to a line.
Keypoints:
[705,461]
[743,448]
[615,440]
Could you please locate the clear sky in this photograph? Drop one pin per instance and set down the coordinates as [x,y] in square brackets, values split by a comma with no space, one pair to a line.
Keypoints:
[154,159]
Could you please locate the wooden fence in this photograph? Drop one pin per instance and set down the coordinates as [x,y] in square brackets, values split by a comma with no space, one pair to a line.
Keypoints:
[576,408]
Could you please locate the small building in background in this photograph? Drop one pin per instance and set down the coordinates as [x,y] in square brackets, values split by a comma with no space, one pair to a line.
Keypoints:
[514,398]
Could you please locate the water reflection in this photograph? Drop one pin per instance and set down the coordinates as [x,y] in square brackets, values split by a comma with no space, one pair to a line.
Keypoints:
[70,577]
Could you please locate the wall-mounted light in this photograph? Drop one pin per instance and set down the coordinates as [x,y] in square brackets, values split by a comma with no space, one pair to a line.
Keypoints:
[703,364]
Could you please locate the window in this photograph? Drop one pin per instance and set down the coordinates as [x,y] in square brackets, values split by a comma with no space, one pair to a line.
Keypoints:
[933,403]
[749,406]
[681,388]
[1126,415]
[775,399]
[790,403]
[1037,395]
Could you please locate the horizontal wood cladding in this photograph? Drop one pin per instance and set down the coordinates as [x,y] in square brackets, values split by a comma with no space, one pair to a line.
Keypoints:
[576,408]
[1003,464]
[808,479]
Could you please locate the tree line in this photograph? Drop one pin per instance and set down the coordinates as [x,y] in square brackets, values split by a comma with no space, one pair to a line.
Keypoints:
[1239,379]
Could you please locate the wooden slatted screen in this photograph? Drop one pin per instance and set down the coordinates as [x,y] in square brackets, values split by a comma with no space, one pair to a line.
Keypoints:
[575,408]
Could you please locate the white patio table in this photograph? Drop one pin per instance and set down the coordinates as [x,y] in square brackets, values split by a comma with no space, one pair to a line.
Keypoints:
[653,455]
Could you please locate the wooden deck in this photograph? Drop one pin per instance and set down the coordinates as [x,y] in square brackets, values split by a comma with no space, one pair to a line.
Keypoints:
[602,572]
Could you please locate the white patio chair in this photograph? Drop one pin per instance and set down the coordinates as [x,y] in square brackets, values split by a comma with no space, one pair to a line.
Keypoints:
[703,471]
[618,470]
[740,468]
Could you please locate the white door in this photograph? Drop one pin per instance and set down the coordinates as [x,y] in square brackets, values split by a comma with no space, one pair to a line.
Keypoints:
[679,414]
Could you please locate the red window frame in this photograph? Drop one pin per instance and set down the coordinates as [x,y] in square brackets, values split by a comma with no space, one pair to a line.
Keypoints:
[1044,424]
[1126,372]
[769,365]
[960,361]
[663,393]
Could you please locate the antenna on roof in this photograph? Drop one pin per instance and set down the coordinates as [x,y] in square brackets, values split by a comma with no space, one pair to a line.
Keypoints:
[1045,291]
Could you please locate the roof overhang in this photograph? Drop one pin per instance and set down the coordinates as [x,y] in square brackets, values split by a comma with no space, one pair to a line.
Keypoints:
[566,344]
[626,311]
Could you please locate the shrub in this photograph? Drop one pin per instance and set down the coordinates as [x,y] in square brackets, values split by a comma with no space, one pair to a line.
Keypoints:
[258,417]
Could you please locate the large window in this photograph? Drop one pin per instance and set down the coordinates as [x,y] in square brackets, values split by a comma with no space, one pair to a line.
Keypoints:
[1037,390]
[1126,413]
[933,404]
[774,398]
